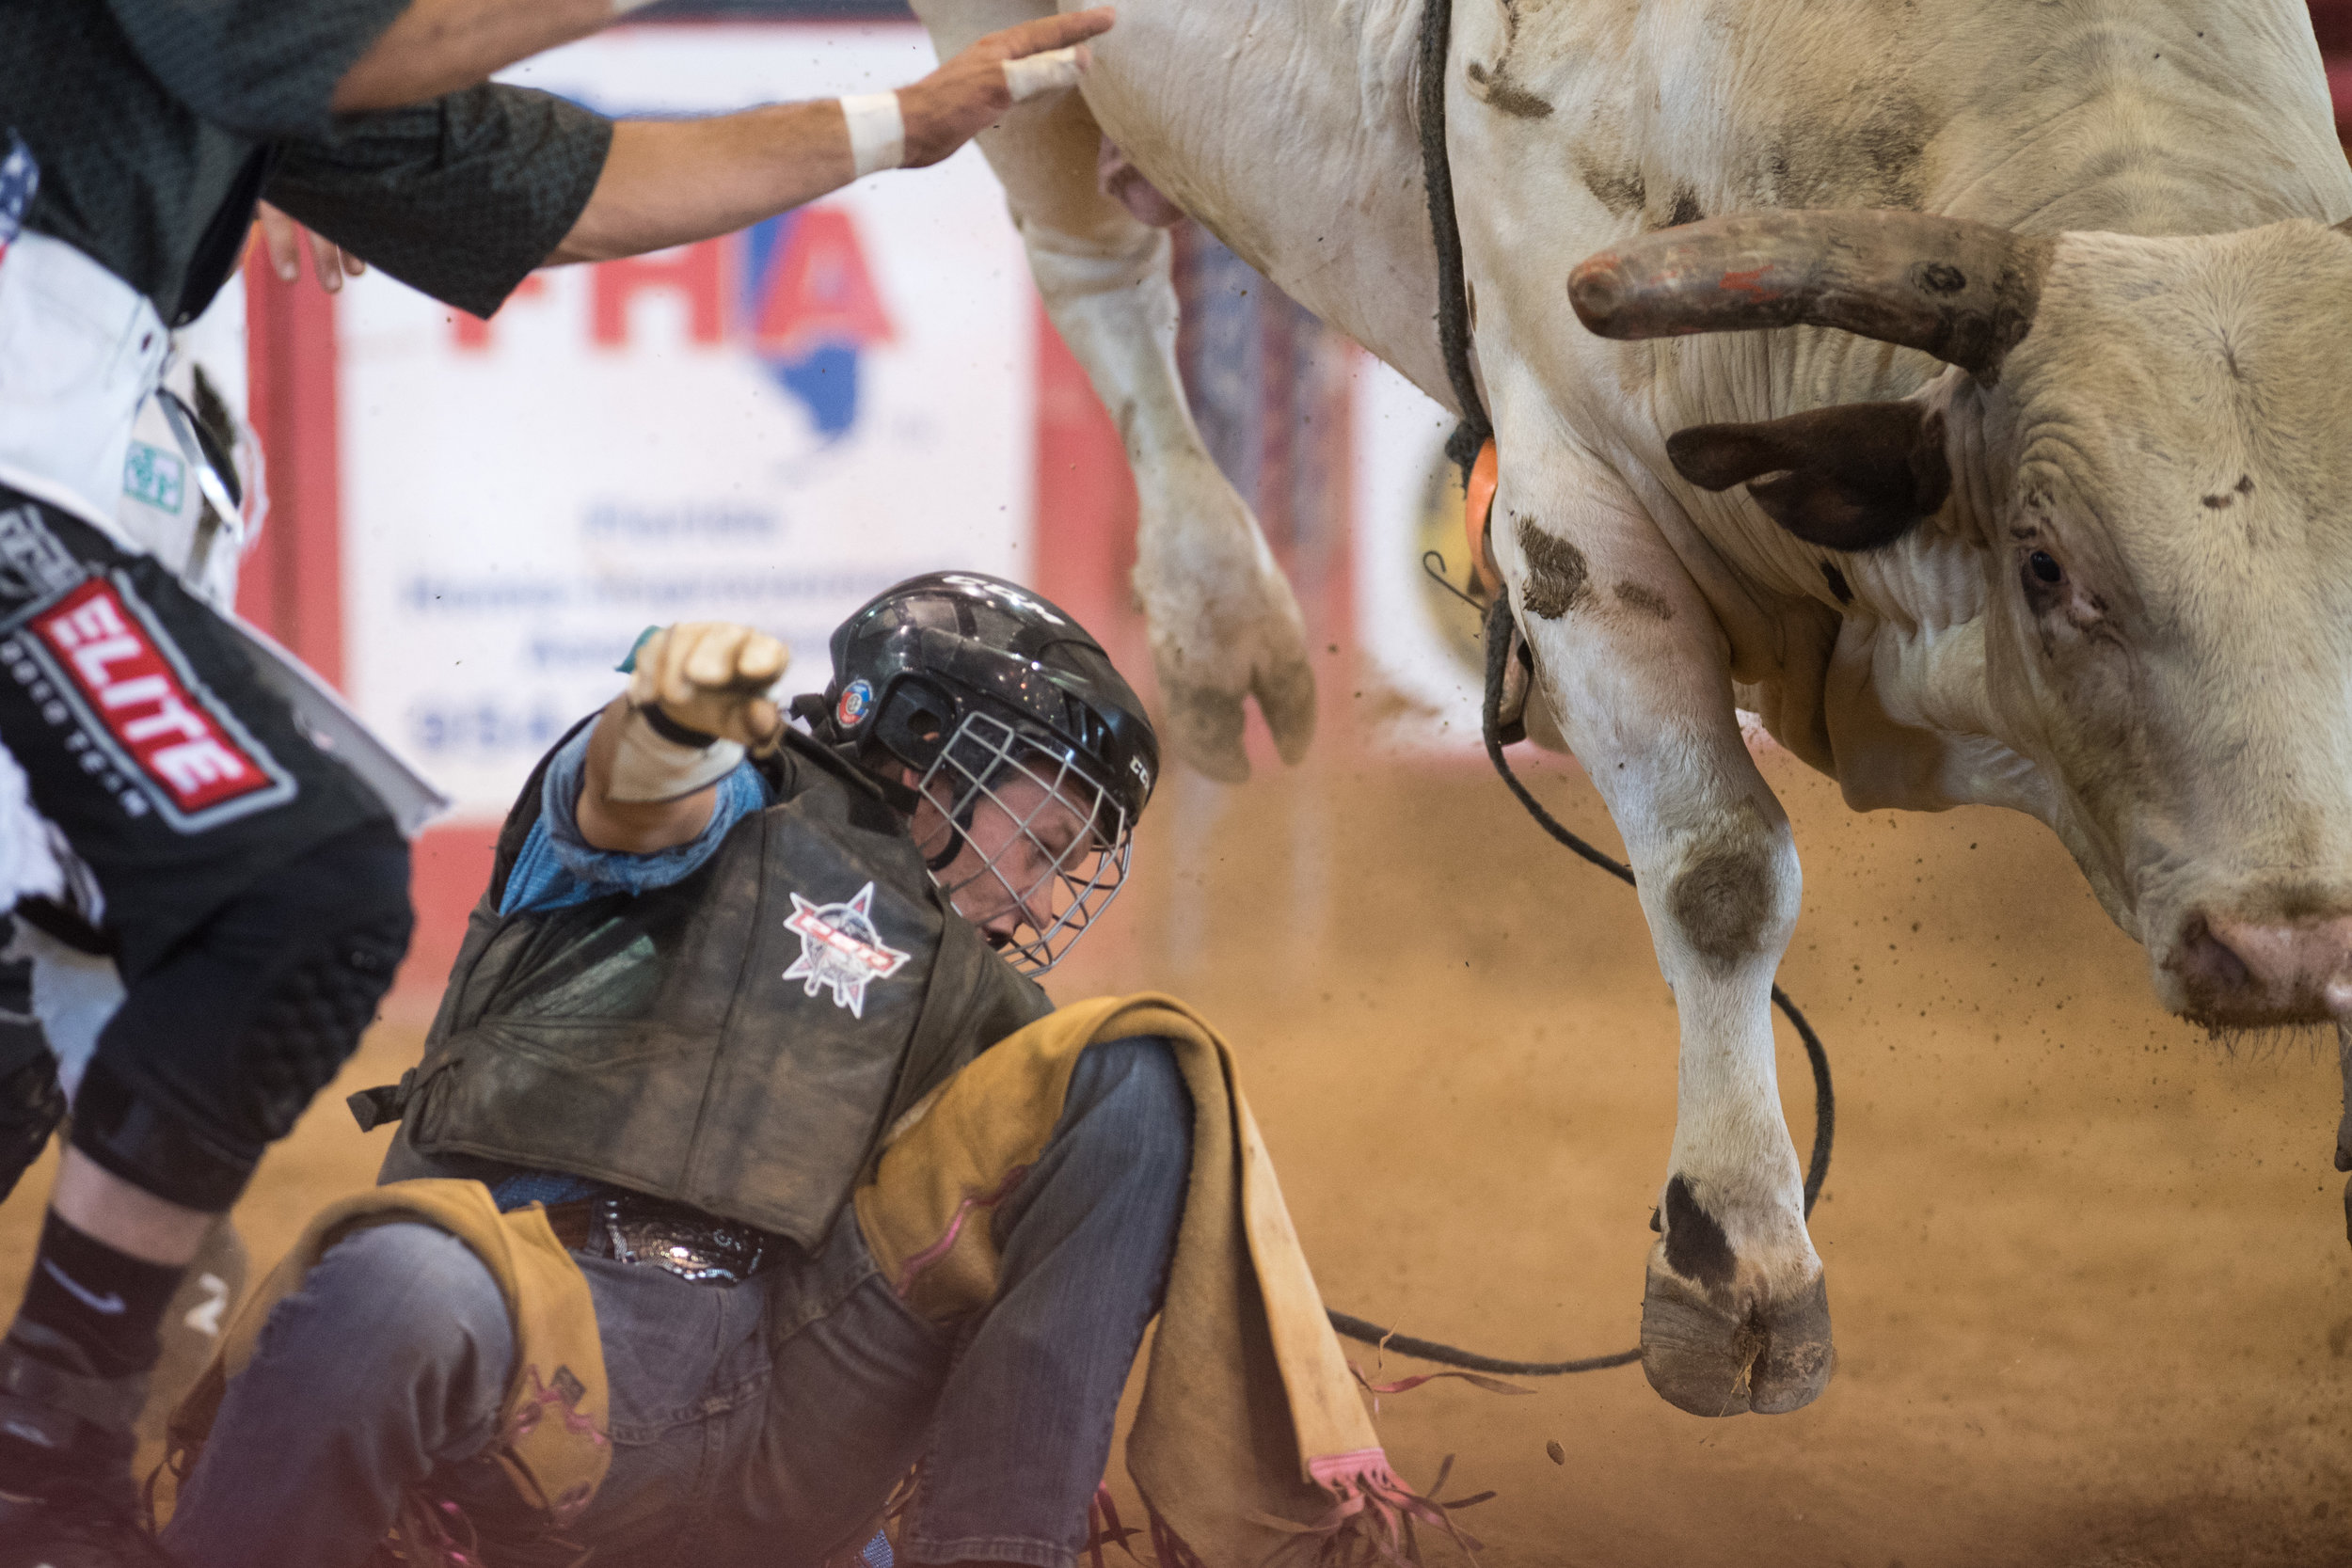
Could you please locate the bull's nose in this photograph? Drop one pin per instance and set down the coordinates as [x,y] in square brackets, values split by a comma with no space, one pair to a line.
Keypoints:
[2206,961]
[2261,972]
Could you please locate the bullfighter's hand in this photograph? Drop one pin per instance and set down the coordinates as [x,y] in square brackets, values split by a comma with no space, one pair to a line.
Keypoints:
[974,90]
[713,676]
[281,240]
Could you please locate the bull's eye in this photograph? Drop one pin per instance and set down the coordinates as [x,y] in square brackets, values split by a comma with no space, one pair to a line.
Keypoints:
[2044,565]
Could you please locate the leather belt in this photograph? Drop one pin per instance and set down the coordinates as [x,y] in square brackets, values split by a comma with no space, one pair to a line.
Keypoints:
[630,1228]
[575,1223]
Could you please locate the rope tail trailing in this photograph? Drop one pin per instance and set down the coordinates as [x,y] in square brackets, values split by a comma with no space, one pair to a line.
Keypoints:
[1454,340]
[1436,178]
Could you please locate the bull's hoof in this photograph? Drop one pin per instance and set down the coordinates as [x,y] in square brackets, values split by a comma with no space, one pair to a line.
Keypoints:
[1704,1357]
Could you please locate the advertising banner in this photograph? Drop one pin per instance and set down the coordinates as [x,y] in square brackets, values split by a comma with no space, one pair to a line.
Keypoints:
[768,427]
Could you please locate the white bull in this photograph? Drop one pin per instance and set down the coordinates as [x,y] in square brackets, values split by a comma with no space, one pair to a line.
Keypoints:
[2047,467]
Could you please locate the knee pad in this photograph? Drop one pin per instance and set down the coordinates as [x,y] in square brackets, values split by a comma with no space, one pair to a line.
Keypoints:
[155,1149]
[312,1022]
[218,1049]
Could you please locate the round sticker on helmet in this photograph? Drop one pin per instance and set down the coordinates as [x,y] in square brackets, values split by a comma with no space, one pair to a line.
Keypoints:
[857,699]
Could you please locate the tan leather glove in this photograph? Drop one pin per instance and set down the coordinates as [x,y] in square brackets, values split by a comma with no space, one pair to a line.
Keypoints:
[704,678]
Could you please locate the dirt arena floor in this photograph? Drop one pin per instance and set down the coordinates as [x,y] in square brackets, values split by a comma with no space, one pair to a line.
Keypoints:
[2088,1271]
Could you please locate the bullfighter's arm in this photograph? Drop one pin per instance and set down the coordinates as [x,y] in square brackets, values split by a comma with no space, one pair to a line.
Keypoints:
[438,46]
[668,182]
[270,69]
[462,197]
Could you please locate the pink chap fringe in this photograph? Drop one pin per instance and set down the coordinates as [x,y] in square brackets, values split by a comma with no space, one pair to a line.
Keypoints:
[913,1268]
[1168,1547]
[1371,1521]
[1103,1527]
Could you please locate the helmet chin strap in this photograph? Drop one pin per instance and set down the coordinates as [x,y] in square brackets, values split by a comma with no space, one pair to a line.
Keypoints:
[901,798]
[937,864]
[959,834]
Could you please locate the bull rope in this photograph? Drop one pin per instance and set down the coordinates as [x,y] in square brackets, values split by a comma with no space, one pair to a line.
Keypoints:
[1453,342]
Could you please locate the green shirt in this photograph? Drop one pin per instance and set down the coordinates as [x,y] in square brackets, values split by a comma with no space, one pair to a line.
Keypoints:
[158,123]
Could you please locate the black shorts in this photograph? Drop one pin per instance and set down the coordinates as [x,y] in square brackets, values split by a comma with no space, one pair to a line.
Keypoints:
[145,736]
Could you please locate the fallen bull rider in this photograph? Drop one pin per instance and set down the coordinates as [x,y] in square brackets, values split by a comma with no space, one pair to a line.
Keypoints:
[747,1170]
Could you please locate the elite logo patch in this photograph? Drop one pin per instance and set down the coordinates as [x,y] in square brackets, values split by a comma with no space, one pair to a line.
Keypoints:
[840,947]
[130,693]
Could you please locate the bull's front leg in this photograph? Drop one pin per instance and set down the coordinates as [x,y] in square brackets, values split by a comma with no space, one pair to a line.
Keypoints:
[1735,1316]
[1223,624]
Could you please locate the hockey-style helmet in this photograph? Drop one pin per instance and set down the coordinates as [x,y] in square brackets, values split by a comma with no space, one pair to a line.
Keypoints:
[974,682]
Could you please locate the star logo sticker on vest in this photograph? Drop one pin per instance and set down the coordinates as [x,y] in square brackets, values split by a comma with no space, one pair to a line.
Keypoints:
[840,947]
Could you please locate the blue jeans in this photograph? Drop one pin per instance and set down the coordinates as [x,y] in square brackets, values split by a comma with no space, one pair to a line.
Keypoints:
[761,1423]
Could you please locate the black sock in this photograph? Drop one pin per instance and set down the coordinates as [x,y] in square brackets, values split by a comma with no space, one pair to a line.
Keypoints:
[107,1304]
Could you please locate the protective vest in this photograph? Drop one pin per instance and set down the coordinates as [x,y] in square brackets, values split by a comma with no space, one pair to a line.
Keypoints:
[738,1040]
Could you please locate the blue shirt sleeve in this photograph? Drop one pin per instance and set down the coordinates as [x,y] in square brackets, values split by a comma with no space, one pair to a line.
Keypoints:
[558,868]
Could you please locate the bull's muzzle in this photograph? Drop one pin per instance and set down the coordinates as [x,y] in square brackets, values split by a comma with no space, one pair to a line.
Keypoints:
[2248,973]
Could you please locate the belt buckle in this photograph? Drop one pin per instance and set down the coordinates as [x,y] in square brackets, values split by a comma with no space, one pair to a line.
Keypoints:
[696,1248]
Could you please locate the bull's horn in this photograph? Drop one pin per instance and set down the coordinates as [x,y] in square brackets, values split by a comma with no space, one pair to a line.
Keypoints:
[1962,291]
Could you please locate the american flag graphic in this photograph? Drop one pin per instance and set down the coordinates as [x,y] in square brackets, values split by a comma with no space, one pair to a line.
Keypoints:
[20,177]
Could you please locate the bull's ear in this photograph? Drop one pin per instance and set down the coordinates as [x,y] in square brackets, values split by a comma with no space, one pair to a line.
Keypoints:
[1857,477]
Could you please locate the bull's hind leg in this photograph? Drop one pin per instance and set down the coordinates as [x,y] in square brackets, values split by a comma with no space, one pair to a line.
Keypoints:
[1734,1315]
[1223,624]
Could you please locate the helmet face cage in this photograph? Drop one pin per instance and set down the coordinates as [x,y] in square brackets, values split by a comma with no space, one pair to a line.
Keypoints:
[1057,893]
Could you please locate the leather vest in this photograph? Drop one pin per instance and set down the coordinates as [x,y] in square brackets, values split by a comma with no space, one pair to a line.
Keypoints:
[738,1040]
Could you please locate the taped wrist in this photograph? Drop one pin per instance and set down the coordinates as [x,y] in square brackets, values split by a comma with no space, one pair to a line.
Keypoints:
[878,132]
[660,759]
[1035,76]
